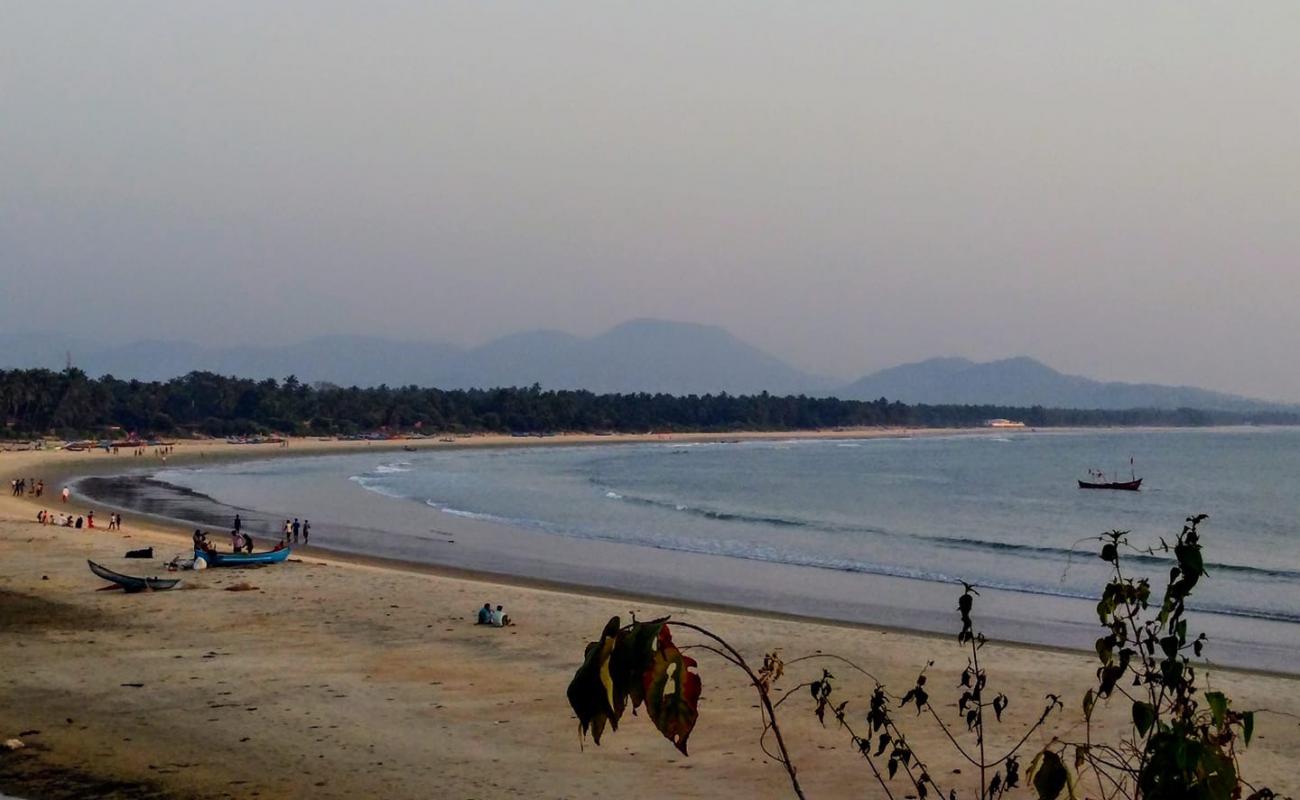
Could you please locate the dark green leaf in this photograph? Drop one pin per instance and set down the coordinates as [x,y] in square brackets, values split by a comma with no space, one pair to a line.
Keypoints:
[591,690]
[1144,716]
[1218,707]
[1048,776]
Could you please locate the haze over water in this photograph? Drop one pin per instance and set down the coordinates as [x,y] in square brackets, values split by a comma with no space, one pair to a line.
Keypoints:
[864,530]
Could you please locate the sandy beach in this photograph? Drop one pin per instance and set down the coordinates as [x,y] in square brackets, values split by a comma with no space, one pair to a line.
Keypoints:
[337,677]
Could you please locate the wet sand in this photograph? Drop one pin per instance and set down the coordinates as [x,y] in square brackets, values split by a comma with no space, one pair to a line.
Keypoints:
[339,678]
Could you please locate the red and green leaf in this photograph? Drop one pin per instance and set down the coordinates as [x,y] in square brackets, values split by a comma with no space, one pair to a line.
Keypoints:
[672,691]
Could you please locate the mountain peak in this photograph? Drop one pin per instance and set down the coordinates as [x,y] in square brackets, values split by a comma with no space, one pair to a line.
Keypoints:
[640,355]
[1025,381]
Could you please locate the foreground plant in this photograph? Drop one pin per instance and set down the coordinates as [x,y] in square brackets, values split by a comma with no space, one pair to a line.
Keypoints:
[1182,743]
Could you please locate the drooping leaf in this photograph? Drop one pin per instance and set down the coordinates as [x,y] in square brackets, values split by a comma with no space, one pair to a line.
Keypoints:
[672,691]
[999,705]
[633,654]
[1048,775]
[1089,700]
[1144,716]
[591,692]
[885,739]
[1247,725]
[1218,707]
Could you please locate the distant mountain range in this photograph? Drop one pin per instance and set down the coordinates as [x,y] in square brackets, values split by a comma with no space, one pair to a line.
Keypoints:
[639,356]
[1023,381]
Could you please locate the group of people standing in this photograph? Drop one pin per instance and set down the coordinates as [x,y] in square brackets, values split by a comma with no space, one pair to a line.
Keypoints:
[295,528]
[34,487]
[241,541]
[21,486]
[44,517]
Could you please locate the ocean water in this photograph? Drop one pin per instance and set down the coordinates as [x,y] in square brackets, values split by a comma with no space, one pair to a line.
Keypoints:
[876,530]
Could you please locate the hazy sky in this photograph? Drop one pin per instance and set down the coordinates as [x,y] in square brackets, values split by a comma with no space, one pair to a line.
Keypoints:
[1113,188]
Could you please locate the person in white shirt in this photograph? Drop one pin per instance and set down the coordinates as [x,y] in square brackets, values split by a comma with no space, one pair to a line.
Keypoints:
[500,619]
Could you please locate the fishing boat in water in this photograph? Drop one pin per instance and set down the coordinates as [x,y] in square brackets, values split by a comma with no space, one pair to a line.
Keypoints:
[215,559]
[130,583]
[1097,480]
[1125,486]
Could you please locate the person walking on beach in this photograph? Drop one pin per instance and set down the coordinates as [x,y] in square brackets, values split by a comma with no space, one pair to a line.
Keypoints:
[239,524]
[306,530]
[66,494]
[288,528]
[296,527]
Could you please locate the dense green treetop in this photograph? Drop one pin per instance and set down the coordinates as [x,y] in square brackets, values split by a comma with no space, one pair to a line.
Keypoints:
[69,403]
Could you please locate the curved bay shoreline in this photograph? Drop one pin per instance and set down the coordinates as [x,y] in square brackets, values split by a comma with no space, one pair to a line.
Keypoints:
[501,550]
[363,661]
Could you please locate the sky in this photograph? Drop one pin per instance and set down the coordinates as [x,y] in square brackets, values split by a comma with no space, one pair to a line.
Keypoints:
[1111,188]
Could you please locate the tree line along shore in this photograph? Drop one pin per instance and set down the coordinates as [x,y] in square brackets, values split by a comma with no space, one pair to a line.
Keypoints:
[70,403]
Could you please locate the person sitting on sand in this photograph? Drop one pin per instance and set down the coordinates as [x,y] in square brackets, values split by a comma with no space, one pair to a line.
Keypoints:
[485,615]
[40,516]
[77,524]
[500,618]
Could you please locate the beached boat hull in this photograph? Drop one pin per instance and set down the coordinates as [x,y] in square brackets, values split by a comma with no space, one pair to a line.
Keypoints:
[1123,486]
[215,559]
[130,582]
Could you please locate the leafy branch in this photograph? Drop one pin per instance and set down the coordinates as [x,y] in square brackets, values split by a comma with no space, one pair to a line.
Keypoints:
[1182,741]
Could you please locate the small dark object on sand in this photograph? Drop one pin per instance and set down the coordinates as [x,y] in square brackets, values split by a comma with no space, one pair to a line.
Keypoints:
[145,553]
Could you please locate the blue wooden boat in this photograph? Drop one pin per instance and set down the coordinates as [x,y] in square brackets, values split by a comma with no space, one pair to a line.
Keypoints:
[215,559]
[131,583]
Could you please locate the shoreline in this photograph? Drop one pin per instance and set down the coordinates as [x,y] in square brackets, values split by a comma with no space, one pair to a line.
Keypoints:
[847,597]
[404,714]
[178,530]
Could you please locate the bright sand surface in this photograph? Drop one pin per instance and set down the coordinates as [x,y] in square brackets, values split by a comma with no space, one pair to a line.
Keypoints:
[338,677]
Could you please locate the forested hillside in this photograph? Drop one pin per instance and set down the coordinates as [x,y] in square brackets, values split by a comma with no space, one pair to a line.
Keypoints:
[67,403]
